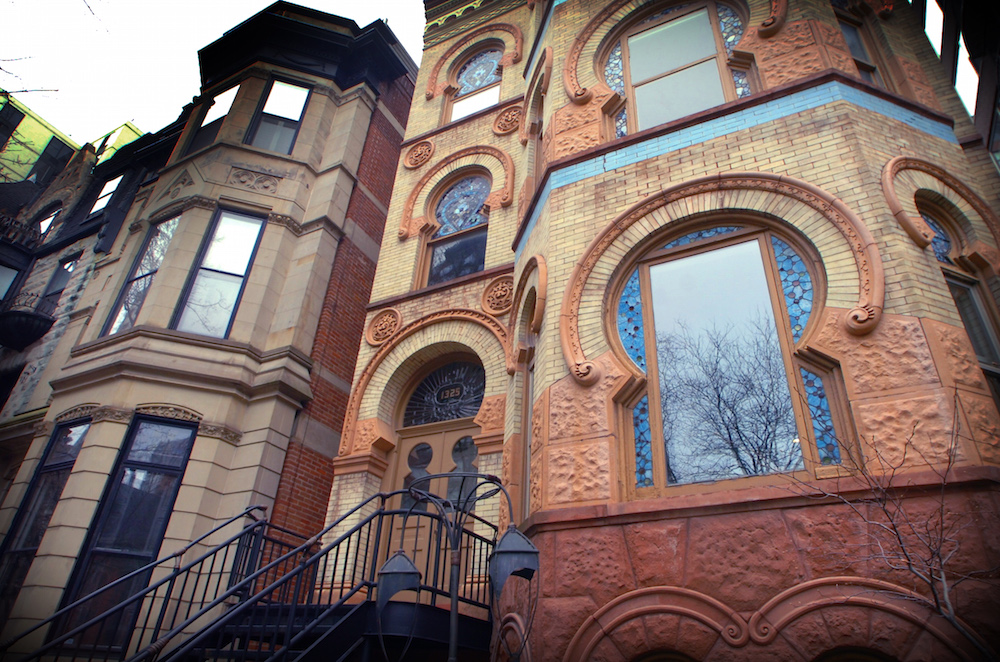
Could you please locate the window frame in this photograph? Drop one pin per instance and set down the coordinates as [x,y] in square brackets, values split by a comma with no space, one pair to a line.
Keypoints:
[200,138]
[195,271]
[725,63]
[106,195]
[796,355]
[51,297]
[259,115]
[873,65]
[120,299]
[452,97]
[430,241]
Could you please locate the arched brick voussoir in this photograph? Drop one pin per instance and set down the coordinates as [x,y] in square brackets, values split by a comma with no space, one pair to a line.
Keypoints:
[380,383]
[656,600]
[870,595]
[498,162]
[834,229]
[903,177]
[513,47]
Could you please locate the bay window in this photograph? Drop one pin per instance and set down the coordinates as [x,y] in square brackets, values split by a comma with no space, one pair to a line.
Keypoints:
[277,122]
[133,295]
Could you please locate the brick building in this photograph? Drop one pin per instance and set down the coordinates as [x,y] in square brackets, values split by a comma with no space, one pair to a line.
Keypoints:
[210,284]
[700,280]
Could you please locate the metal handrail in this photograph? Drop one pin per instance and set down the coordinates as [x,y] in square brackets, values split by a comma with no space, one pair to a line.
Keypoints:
[119,607]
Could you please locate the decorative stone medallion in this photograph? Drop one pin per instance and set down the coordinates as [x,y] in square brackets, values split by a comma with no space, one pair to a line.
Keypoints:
[383,325]
[255,181]
[507,121]
[499,295]
[419,154]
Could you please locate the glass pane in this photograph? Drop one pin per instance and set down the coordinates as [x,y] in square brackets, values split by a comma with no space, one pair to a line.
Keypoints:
[644,445]
[724,398]
[941,243]
[613,72]
[159,443]
[286,100]
[731,27]
[418,460]
[67,444]
[479,71]
[462,489]
[854,42]
[822,419]
[45,223]
[152,257]
[454,391]
[796,285]
[220,108]
[630,324]
[106,193]
[131,304]
[232,244]
[61,277]
[671,45]
[39,509]
[14,568]
[7,276]
[211,303]
[135,520]
[101,570]
[466,254]
[679,94]
[699,235]
[976,323]
[461,206]
[275,134]
[475,102]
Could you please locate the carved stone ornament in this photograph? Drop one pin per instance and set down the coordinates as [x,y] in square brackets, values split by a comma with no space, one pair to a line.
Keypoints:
[348,443]
[80,411]
[134,227]
[223,432]
[772,24]
[860,320]
[286,221]
[182,181]
[498,296]
[168,411]
[383,325]
[507,121]
[418,154]
[255,181]
[115,414]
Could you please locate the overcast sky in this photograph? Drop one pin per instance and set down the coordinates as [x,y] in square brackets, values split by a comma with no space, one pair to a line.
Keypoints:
[105,62]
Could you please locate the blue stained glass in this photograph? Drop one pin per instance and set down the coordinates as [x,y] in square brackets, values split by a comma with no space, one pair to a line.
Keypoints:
[461,206]
[643,444]
[741,82]
[701,234]
[613,72]
[796,284]
[731,26]
[481,70]
[941,243]
[660,14]
[621,123]
[822,420]
[630,328]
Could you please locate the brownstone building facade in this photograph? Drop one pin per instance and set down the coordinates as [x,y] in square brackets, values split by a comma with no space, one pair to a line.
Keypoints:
[713,287]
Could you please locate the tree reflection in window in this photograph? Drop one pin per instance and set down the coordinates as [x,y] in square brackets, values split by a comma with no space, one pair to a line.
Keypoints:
[134,293]
[458,248]
[722,362]
[453,391]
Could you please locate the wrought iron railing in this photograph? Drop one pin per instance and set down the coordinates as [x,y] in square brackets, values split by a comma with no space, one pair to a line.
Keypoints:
[30,301]
[19,233]
[123,617]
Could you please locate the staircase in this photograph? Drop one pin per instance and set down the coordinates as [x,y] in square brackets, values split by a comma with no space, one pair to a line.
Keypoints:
[265,593]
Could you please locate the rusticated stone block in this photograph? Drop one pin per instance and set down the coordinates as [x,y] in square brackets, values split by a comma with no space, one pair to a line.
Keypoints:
[890,634]
[696,639]
[593,562]
[657,552]
[661,630]
[955,356]
[577,411]
[984,425]
[577,140]
[809,633]
[831,539]
[891,427]
[579,472]
[893,356]
[848,626]
[738,558]
[629,639]
[793,66]
[556,622]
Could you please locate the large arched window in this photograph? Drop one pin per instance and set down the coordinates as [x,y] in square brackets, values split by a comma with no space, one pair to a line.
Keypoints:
[715,318]
[673,63]
[972,299]
[458,247]
[477,83]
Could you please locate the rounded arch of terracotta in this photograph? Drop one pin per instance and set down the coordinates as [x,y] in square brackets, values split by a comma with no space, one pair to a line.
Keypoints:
[534,276]
[801,205]
[478,157]
[861,595]
[580,70]
[906,179]
[510,35]
[371,411]
[538,87]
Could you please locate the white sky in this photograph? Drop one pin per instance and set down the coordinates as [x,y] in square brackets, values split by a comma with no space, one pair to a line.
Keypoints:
[112,61]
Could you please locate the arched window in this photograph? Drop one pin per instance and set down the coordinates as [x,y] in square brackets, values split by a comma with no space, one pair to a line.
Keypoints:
[972,300]
[477,83]
[458,247]
[675,62]
[714,317]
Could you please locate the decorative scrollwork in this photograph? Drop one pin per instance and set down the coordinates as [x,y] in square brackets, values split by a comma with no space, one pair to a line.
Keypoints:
[499,295]
[255,181]
[418,154]
[383,325]
[507,120]
[223,432]
[168,411]
[775,20]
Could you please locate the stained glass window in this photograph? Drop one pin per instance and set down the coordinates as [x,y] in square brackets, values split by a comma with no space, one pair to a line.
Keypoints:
[461,207]
[701,234]
[796,284]
[822,420]
[454,391]
[480,70]
[613,72]
[731,26]
[643,444]
[941,243]
[630,321]
[459,212]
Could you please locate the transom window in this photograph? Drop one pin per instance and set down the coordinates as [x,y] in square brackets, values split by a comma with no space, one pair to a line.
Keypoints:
[674,63]
[453,391]
[458,247]
[713,318]
[478,83]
